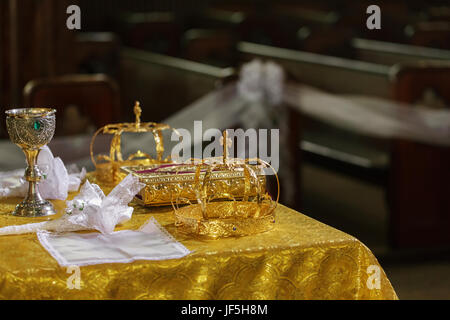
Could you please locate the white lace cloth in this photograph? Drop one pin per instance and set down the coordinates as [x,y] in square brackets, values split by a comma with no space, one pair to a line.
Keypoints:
[56,183]
[150,242]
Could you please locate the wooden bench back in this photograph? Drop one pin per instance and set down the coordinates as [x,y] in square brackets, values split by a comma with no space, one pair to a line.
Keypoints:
[419,175]
[389,53]
[155,31]
[163,84]
[435,34]
[419,182]
[80,100]
[210,46]
[332,74]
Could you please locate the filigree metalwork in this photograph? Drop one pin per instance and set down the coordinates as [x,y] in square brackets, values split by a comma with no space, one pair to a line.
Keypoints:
[31,129]
[164,183]
[108,166]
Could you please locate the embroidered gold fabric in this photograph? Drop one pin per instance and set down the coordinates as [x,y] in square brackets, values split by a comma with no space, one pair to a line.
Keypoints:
[300,258]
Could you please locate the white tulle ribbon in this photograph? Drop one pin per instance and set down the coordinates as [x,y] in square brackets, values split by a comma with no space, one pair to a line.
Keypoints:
[261,82]
[89,210]
[372,116]
[57,180]
[264,84]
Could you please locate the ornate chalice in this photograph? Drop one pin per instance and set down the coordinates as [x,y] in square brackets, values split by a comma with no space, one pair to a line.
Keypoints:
[31,129]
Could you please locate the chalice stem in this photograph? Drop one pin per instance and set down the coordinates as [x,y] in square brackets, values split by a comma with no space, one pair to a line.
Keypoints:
[33,205]
[32,175]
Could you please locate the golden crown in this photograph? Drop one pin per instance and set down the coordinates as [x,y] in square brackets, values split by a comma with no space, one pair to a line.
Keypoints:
[108,166]
[213,217]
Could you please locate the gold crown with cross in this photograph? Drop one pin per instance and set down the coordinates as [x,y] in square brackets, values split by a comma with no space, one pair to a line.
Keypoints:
[221,213]
[107,166]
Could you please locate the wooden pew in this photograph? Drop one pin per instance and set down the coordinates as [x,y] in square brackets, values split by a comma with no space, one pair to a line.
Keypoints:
[362,157]
[218,45]
[164,84]
[259,25]
[435,34]
[310,14]
[414,166]
[211,46]
[97,52]
[83,102]
[154,31]
[213,18]
[389,53]
[343,75]
[438,13]
[419,179]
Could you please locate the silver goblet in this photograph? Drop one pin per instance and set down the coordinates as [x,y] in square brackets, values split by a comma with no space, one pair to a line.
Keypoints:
[31,129]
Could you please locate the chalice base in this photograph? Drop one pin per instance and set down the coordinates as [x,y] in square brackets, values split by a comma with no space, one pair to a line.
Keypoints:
[37,208]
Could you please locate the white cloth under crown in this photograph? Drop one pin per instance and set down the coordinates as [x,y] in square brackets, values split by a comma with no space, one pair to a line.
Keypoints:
[56,183]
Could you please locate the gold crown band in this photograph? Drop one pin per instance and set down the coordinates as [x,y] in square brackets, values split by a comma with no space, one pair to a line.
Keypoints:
[219,219]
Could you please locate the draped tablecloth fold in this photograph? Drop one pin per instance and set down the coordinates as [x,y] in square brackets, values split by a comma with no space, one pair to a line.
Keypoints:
[300,258]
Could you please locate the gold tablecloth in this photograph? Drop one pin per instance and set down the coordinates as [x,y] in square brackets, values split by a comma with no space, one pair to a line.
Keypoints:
[300,259]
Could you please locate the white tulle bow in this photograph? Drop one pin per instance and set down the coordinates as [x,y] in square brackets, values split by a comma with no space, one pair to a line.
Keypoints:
[89,210]
[57,180]
[261,82]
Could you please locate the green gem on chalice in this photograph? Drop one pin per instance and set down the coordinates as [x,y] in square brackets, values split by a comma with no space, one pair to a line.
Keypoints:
[37,125]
